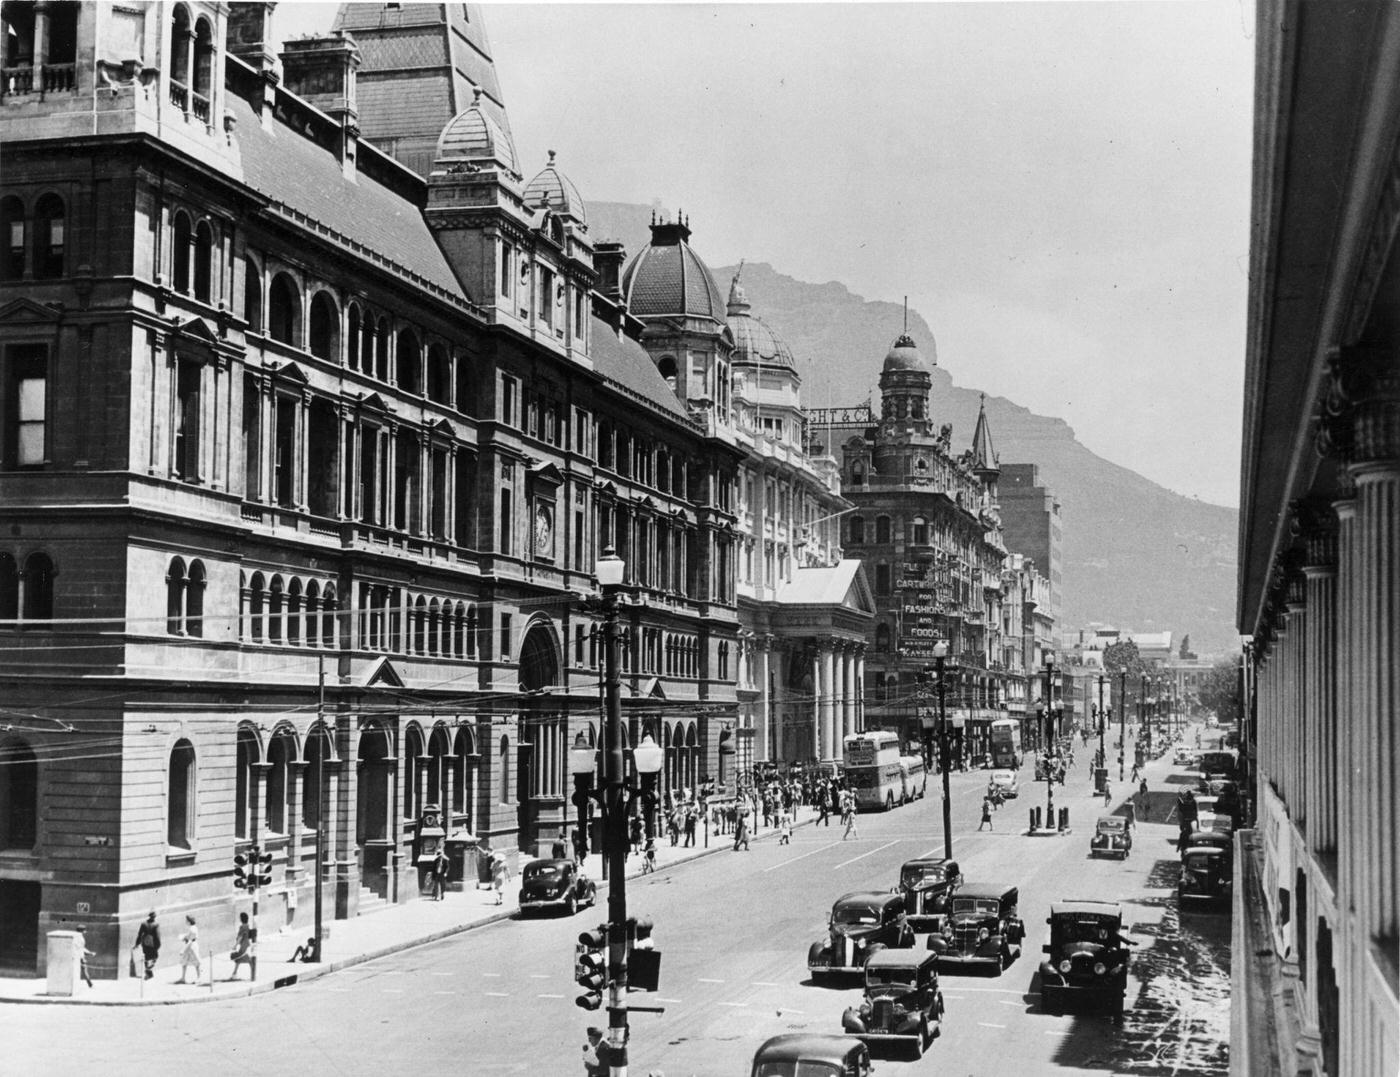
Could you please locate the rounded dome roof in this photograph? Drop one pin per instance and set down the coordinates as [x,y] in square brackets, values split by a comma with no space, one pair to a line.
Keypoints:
[904,355]
[754,339]
[472,135]
[668,278]
[553,190]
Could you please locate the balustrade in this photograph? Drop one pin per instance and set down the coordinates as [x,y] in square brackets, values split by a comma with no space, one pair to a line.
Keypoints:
[179,95]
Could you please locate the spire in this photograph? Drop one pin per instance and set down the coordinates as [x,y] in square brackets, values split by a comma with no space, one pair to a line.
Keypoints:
[984,456]
[738,301]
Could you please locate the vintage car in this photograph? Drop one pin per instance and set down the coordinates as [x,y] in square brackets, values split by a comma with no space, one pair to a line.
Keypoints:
[1184,756]
[1087,962]
[1205,872]
[1111,837]
[809,1054]
[1005,782]
[555,884]
[1212,815]
[902,1001]
[927,884]
[982,928]
[863,922]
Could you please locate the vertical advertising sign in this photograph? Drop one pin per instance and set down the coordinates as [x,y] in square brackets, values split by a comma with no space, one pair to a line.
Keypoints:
[923,596]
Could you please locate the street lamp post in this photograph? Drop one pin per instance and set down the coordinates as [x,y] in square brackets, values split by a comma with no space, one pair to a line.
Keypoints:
[940,656]
[1122,718]
[1101,764]
[1049,741]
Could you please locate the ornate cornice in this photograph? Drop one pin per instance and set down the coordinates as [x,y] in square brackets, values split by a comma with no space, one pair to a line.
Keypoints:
[1359,421]
[1315,524]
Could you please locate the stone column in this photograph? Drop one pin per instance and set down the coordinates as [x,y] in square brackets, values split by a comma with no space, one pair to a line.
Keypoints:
[1319,529]
[296,774]
[838,692]
[830,749]
[764,648]
[860,690]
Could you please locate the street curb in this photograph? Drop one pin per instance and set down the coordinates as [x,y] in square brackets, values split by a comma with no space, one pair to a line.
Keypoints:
[315,972]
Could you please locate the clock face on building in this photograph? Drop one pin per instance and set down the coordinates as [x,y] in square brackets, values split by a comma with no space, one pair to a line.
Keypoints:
[544,531]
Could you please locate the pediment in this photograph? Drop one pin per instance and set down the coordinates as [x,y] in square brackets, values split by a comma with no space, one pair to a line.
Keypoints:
[374,402]
[25,310]
[606,488]
[196,329]
[547,473]
[382,672]
[291,372]
[443,429]
[644,501]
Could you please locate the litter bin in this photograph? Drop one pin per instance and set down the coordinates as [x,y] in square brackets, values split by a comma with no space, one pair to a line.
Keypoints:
[461,859]
[63,963]
[1100,778]
[1064,818]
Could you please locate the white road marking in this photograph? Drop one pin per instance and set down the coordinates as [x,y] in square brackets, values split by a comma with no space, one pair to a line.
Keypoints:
[864,855]
[341,990]
[444,974]
[705,981]
[986,1024]
[804,856]
[444,992]
[740,1004]
[539,975]
[494,975]
[992,990]
[549,996]
[1057,1031]
[956,998]
[673,1001]
[765,983]
[499,994]
[1008,1002]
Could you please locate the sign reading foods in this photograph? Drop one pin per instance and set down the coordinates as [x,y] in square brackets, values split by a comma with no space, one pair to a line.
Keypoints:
[923,590]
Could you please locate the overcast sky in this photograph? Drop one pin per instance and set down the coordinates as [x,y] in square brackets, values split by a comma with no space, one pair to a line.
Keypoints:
[1061,188]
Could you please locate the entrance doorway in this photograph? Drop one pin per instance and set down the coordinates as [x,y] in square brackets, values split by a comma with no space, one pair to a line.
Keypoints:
[19,926]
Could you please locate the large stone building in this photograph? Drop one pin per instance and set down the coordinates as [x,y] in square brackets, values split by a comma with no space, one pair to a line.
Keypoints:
[1030,525]
[803,611]
[1317,902]
[927,527]
[308,456]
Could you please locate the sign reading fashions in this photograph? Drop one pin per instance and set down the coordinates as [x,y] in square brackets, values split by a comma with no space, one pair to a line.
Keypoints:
[925,594]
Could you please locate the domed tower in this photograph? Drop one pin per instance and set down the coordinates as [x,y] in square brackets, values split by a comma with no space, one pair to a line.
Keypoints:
[905,383]
[479,209]
[672,291]
[767,396]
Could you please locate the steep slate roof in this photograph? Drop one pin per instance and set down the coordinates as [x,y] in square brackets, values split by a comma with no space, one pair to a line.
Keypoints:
[984,457]
[306,179]
[627,364]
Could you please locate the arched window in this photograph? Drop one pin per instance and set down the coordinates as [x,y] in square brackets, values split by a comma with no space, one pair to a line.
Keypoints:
[203,261]
[175,597]
[194,600]
[410,374]
[503,764]
[256,600]
[439,375]
[312,616]
[274,610]
[666,366]
[180,796]
[180,252]
[38,587]
[858,473]
[920,531]
[412,793]
[882,529]
[352,338]
[203,70]
[328,608]
[381,350]
[433,625]
[50,236]
[19,795]
[179,54]
[325,327]
[9,587]
[857,530]
[252,296]
[12,235]
[246,754]
[420,626]
[279,753]
[294,612]
[284,310]
[882,637]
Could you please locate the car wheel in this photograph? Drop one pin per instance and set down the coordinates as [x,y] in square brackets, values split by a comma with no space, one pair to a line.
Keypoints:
[921,1041]
[1001,962]
[570,906]
[889,802]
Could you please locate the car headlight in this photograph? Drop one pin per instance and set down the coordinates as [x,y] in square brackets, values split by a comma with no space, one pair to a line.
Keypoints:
[983,934]
[1065,966]
[860,944]
[1100,968]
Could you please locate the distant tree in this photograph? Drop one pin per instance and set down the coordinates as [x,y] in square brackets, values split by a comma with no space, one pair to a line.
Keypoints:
[1185,652]
[1123,655]
[1220,691]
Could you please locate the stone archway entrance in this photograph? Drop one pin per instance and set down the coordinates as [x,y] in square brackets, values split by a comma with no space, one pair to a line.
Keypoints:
[540,759]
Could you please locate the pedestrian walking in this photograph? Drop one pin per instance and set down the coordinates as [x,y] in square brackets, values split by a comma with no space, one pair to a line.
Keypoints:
[823,808]
[741,831]
[1137,771]
[785,829]
[649,857]
[441,868]
[189,952]
[986,814]
[580,847]
[689,826]
[848,815]
[500,871]
[148,941]
[1107,793]
[82,953]
[242,952]
[635,833]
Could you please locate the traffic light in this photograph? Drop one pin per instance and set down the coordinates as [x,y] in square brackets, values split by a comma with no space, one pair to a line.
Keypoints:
[264,868]
[243,877]
[643,960]
[591,966]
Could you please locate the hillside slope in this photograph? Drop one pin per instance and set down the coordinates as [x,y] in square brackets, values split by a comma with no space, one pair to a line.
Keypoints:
[1136,554]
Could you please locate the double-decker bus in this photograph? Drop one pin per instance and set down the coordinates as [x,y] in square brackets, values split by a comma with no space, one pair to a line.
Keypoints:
[1006,744]
[914,775]
[872,768]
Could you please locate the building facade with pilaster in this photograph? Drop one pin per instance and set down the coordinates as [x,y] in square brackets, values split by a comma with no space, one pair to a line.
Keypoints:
[1317,903]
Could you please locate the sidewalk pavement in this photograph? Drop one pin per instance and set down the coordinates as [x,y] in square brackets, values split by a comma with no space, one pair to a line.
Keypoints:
[348,942]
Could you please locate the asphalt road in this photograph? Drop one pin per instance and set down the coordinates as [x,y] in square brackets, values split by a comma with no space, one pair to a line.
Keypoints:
[734,929]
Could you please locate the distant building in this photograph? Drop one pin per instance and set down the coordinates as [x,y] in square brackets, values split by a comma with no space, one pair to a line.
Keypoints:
[1317,902]
[1031,524]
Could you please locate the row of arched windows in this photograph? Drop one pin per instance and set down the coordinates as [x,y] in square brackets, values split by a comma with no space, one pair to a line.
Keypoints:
[286,610]
[192,256]
[184,598]
[192,67]
[371,345]
[26,592]
[441,628]
[32,242]
[918,533]
[682,656]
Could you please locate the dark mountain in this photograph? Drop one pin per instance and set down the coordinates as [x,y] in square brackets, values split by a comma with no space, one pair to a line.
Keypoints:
[1136,555]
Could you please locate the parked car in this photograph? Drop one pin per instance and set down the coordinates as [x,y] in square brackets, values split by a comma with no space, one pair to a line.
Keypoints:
[810,1054]
[1184,756]
[1087,958]
[982,928]
[1005,781]
[1205,873]
[862,923]
[902,1001]
[927,886]
[1111,837]
[555,884]
[1211,814]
